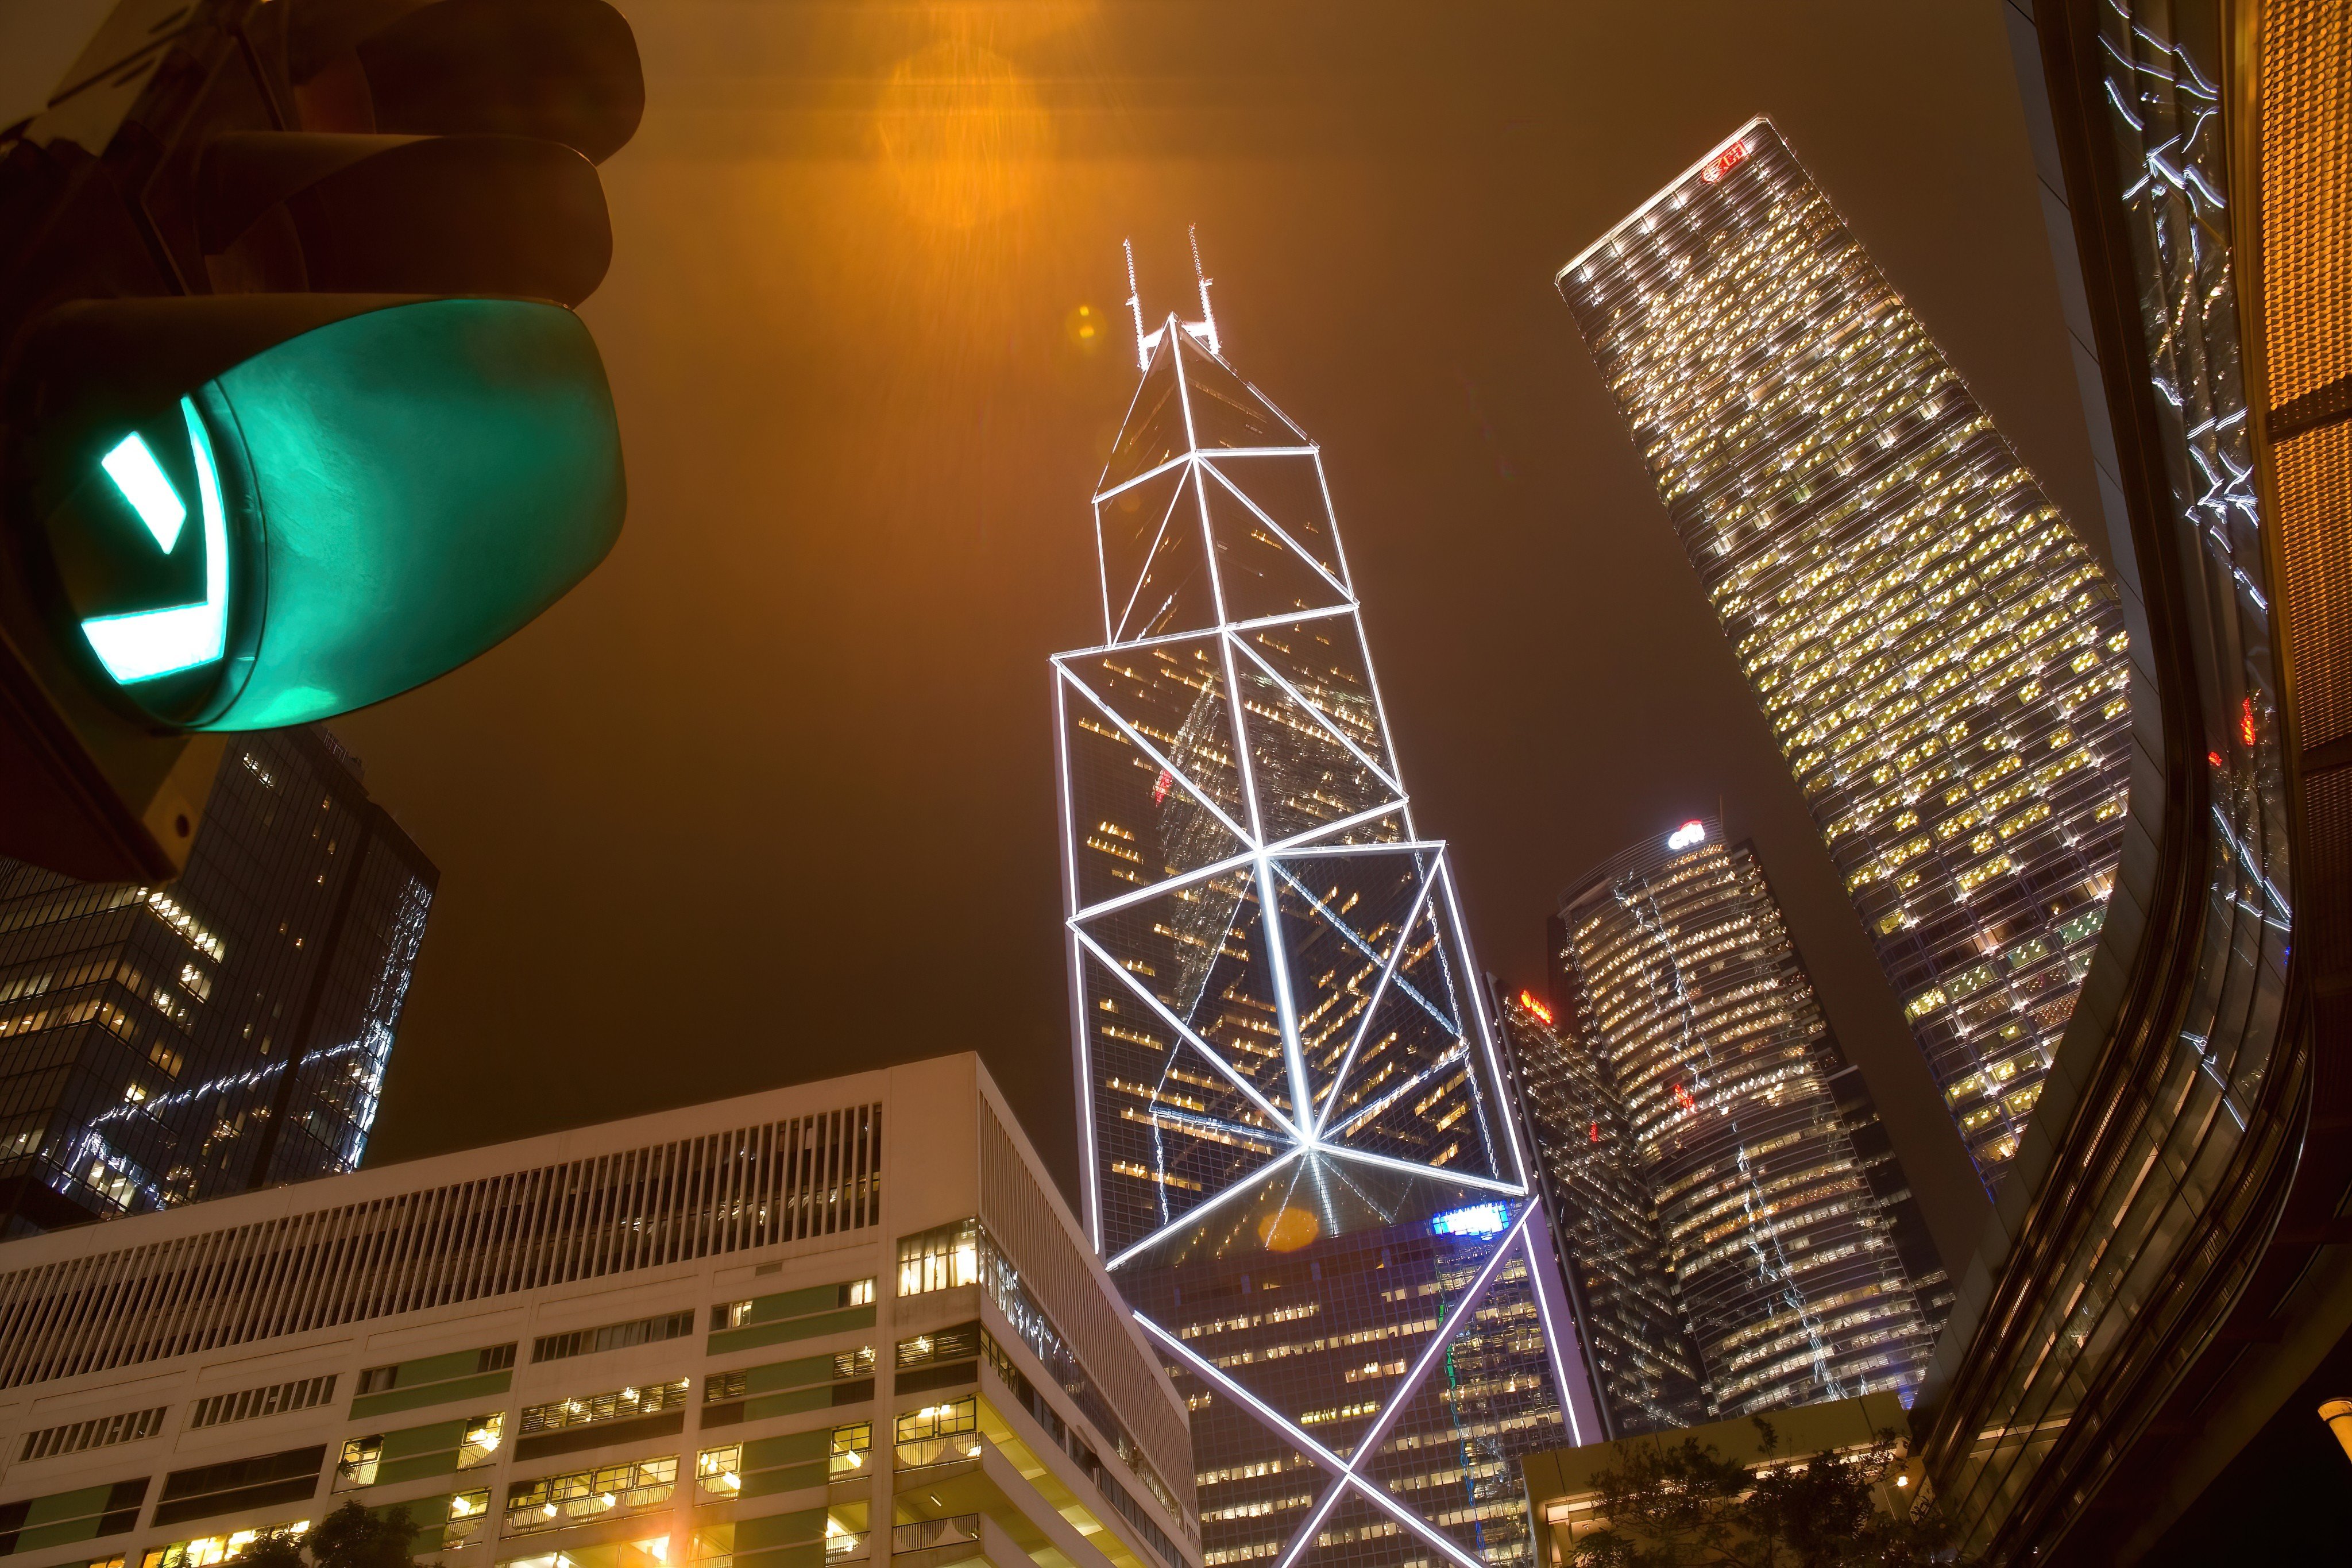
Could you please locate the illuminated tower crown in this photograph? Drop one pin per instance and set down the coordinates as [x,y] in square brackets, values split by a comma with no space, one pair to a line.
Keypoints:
[1287,1069]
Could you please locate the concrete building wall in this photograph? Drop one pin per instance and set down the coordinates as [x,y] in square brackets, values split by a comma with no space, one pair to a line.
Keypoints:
[717,1291]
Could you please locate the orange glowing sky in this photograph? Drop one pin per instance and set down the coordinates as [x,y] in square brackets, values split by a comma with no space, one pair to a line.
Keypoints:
[771,795]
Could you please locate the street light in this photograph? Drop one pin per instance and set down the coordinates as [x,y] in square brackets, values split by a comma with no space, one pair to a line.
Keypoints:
[2337,1414]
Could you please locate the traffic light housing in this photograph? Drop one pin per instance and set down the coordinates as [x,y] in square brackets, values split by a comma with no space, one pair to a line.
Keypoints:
[295,413]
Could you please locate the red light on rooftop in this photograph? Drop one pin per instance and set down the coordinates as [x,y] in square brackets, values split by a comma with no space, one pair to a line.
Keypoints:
[1730,158]
[2246,721]
[1528,1000]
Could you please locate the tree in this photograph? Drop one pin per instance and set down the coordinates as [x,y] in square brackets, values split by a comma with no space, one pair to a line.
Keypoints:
[1684,1505]
[351,1537]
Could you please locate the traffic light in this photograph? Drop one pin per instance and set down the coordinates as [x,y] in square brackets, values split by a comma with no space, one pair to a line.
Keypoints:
[295,413]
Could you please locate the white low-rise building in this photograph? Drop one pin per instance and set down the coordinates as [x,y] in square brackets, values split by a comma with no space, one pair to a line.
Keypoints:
[822,1324]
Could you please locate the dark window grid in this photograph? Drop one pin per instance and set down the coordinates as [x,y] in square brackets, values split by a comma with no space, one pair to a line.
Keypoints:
[614,1336]
[232,1474]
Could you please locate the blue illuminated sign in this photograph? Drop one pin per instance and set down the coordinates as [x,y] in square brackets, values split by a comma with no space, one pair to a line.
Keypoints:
[1480,1220]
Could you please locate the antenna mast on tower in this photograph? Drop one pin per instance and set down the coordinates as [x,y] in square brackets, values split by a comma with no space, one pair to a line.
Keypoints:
[1203,331]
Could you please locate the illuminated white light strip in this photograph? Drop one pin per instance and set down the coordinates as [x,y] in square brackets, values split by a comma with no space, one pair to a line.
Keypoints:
[1152,751]
[1279,531]
[1299,851]
[1372,1007]
[1360,945]
[1297,847]
[1209,454]
[1322,1511]
[1178,461]
[1275,1418]
[1321,718]
[1062,788]
[1300,451]
[1273,943]
[1286,1003]
[136,473]
[1300,845]
[1386,1421]
[1542,1282]
[1709,156]
[1339,546]
[1166,885]
[1271,864]
[1089,1187]
[1435,1173]
[1356,1120]
[1231,1074]
[1270,407]
[1269,913]
[1127,611]
[1368,1447]
[1135,303]
[1208,332]
[1413,1521]
[1486,1030]
[1196,633]
[1191,1216]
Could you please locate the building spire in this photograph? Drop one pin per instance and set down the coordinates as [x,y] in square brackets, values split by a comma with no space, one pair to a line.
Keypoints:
[1143,345]
[1207,329]
[1203,331]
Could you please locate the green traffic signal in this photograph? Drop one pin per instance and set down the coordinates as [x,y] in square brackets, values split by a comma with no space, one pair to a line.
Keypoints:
[144,645]
[345,515]
[294,413]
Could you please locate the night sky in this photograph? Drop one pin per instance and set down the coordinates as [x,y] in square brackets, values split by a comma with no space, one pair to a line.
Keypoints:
[770,796]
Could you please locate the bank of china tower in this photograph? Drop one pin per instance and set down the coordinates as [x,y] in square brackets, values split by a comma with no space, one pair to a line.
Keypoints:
[1297,1160]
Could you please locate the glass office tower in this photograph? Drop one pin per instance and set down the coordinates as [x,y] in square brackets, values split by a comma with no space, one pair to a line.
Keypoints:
[229,1030]
[1297,1161]
[1941,661]
[1604,1209]
[1681,985]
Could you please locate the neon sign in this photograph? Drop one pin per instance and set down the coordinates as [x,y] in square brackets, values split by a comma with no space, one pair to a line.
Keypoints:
[1479,1220]
[1730,158]
[1528,1000]
[1688,834]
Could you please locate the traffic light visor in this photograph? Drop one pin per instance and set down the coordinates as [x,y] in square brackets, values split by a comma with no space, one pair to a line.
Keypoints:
[346,514]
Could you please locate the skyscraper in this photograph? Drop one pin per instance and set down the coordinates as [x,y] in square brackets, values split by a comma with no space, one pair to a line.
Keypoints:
[1297,1161]
[1782,1260]
[1941,661]
[160,1045]
[1604,1210]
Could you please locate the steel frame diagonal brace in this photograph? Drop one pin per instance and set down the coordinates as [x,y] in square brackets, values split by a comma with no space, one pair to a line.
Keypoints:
[1185,1034]
[1263,746]
[1322,720]
[1175,773]
[1347,1473]
[1286,618]
[1372,1007]
[1205,461]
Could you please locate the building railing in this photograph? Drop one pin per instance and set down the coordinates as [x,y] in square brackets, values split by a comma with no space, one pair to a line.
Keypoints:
[953,1449]
[926,1534]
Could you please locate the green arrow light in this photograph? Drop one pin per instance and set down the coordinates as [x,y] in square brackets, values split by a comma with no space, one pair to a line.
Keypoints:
[153,642]
[140,479]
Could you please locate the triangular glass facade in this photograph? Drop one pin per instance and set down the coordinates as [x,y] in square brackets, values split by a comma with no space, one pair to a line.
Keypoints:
[1299,1162]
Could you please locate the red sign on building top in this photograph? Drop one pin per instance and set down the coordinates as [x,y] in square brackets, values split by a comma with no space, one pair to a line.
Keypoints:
[1730,159]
